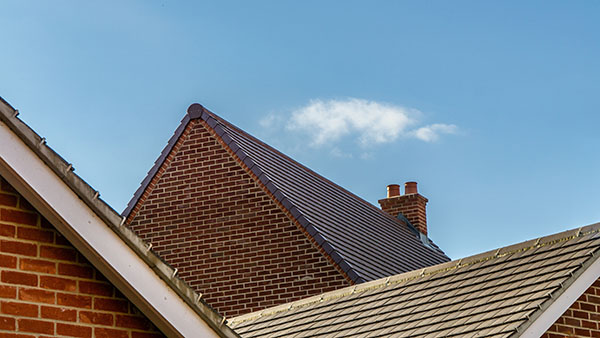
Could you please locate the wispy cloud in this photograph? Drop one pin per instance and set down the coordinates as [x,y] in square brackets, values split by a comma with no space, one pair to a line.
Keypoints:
[369,122]
[431,133]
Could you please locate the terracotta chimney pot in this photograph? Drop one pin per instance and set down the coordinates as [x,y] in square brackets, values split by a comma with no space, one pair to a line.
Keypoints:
[393,190]
[410,188]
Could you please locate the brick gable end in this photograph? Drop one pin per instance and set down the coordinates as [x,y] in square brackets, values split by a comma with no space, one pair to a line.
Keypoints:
[206,216]
[582,319]
[47,288]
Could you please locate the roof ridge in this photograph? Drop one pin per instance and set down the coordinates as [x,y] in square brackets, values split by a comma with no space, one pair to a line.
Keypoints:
[435,269]
[196,110]
[91,197]
[312,172]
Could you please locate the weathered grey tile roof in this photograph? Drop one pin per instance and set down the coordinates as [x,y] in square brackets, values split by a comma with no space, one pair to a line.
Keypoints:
[494,294]
[363,240]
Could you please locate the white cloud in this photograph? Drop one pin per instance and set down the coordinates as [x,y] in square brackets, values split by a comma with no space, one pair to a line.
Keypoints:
[370,121]
[432,132]
[270,120]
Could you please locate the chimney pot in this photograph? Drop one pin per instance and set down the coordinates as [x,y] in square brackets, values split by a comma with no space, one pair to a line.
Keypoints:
[393,190]
[410,188]
[412,205]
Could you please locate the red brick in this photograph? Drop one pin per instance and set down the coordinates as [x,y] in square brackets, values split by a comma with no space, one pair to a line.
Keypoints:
[75,270]
[7,323]
[37,295]
[7,291]
[58,253]
[73,330]
[35,235]
[96,318]
[19,309]
[20,217]
[8,200]
[5,186]
[46,224]
[14,277]
[205,214]
[24,204]
[60,240]
[94,288]
[7,230]
[74,300]
[132,322]
[19,248]
[110,305]
[135,334]
[110,333]
[37,265]
[8,261]
[57,283]
[36,326]
[59,313]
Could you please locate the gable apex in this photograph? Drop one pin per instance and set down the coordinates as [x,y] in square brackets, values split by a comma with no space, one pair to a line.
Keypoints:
[47,181]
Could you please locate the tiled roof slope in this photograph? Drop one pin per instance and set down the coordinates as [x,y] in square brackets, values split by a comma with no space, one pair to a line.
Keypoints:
[494,294]
[363,240]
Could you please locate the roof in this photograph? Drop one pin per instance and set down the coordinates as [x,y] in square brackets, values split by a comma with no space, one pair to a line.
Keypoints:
[48,182]
[365,242]
[519,290]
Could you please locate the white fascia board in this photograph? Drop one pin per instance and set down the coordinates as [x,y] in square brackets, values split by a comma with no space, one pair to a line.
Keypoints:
[21,167]
[549,316]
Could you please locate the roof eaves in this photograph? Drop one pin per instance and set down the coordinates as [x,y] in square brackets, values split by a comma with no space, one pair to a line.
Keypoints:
[64,170]
[196,110]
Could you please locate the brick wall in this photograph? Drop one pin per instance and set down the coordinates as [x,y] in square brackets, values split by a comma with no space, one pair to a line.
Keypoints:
[412,206]
[48,289]
[206,216]
[582,319]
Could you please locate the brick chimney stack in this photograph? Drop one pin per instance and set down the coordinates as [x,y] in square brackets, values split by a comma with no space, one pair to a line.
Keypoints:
[412,205]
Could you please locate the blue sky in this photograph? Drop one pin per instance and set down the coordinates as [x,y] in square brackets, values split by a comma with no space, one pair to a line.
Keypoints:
[491,106]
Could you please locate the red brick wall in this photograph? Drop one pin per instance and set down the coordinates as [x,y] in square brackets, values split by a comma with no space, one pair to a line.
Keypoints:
[48,289]
[206,216]
[412,206]
[582,319]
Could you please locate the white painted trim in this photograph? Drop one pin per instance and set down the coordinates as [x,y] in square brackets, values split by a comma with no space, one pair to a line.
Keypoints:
[96,240]
[564,301]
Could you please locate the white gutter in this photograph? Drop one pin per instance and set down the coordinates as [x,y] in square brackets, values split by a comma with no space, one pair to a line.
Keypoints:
[549,316]
[27,173]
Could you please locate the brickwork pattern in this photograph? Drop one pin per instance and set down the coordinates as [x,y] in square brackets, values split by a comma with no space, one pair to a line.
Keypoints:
[206,216]
[47,288]
[582,319]
[412,206]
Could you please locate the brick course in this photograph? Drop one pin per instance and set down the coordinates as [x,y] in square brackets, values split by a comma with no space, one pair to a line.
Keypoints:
[207,216]
[48,289]
[582,319]
[412,206]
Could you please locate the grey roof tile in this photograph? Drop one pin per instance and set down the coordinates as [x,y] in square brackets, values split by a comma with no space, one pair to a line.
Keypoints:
[483,296]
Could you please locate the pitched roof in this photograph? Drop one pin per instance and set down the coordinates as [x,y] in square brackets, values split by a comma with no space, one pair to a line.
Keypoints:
[512,291]
[364,241]
[97,231]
